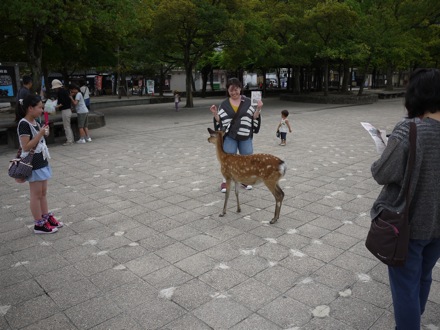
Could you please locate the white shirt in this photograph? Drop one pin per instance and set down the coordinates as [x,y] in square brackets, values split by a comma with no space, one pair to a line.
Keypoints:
[85,90]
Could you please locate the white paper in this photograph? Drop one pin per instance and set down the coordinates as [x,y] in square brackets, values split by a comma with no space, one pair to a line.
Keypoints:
[379,137]
[255,97]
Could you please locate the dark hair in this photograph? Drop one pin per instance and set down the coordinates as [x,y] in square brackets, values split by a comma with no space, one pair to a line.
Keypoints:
[26,80]
[234,82]
[285,113]
[74,86]
[423,92]
[23,106]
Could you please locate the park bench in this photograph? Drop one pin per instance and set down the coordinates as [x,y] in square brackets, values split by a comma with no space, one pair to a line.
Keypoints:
[390,94]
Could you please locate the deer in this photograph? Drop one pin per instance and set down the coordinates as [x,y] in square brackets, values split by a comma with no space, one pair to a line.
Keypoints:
[250,170]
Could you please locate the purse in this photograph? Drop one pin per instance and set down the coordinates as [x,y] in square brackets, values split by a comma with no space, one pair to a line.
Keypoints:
[21,168]
[278,133]
[388,237]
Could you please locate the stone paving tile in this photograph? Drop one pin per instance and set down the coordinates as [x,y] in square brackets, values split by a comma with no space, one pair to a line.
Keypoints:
[221,313]
[92,312]
[143,245]
[186,322]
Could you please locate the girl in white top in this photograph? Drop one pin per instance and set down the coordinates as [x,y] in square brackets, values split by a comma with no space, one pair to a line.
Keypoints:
[283,127]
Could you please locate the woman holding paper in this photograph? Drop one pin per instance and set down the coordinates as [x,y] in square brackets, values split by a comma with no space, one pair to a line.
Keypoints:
[239,119]
[410,284]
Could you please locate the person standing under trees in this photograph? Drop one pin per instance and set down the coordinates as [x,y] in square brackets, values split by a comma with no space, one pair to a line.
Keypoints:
[176,100]
[25,90]
[82,113]
[410,284]
[31,136]
[64,104]
[239,120]
[85,91]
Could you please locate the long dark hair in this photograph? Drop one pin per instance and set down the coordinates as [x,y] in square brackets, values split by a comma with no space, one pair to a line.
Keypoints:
[24,104]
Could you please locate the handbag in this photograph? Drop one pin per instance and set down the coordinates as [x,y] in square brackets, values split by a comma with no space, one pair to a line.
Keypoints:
[388,237]
[278,133]
[50,106]
[21,168]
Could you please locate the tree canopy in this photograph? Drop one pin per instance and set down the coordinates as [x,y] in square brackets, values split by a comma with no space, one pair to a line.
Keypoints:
[150,37]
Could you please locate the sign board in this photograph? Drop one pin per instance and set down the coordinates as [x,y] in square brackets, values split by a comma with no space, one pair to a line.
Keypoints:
[150,86]
[7,81]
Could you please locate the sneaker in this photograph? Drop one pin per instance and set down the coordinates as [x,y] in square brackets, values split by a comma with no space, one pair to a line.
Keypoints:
[45,229]
[81,141]
[223,187]
[282,144]
[246,186]
[88,139]
[54,222]
[67,143]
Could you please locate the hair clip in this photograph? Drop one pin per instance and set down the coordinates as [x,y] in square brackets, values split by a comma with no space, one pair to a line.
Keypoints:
[20,101]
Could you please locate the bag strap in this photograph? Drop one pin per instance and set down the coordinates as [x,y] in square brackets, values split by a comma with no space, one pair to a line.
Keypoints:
[411,161]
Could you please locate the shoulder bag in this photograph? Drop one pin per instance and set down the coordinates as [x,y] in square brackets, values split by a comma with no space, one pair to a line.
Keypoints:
[21,168]
[388,237]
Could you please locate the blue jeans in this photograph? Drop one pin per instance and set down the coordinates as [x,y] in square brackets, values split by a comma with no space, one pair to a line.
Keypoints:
[230,146]
[410,284]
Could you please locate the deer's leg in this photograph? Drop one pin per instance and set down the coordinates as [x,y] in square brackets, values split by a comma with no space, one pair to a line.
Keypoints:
[228,189]
[279,196]
[236,195]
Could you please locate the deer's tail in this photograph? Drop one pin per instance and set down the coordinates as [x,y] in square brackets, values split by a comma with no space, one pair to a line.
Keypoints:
[282,167]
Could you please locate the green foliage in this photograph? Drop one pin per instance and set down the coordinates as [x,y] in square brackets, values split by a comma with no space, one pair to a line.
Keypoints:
[148,36]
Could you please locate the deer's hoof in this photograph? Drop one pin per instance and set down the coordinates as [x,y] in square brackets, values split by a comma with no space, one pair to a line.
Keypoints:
[221,214]
[273,221]
[238,210]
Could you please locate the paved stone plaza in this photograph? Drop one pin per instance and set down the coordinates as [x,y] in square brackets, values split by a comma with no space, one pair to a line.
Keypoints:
[143,246]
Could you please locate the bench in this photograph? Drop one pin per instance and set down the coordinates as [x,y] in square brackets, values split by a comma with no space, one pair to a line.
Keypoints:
[95,120]
[390,94]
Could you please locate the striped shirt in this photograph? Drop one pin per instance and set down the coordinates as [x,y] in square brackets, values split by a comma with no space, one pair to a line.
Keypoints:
[243,127]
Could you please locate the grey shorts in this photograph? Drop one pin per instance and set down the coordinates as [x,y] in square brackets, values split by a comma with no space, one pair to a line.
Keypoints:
[82,120]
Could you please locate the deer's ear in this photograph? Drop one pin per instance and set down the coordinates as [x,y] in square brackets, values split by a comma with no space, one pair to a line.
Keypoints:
[211,131]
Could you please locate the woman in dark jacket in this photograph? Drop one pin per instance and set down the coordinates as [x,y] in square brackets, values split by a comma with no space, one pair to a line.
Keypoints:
[410,284]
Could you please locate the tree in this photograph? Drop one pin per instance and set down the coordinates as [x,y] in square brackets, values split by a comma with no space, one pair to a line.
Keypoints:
[186,30]
[331,22]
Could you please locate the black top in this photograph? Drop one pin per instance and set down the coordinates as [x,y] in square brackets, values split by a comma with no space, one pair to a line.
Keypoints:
[63,97]
[37,161]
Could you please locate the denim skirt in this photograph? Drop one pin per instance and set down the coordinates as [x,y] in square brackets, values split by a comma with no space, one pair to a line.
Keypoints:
[41,174]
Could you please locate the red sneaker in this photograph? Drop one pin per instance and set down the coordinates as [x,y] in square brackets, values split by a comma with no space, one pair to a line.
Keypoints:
[54,222]
[223,187]
[46,228]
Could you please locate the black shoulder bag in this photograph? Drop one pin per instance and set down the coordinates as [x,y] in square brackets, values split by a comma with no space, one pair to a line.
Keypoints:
[388,237]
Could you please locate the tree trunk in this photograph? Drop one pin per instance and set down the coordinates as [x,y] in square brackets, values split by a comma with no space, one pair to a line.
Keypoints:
[211,79]
[345,77]
[189,82]
[389,86]
[34,42]
[297,80]
[326,77]
[361,87]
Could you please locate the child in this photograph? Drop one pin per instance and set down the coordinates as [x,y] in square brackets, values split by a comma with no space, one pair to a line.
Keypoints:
[283,127]
[176,100]
[31,136]
[82,113]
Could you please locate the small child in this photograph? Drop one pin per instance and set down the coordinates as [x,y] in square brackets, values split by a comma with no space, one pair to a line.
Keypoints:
[176,100]
[283,126]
